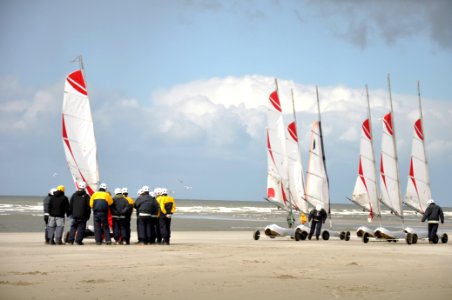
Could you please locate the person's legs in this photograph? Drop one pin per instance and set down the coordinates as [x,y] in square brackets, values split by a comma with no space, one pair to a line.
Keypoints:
[59,231]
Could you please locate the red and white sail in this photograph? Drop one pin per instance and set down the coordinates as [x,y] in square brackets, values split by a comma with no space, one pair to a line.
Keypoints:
[317,186]
[78,133]
[295,167]
[365,193]
[277,175]
[418,187]
[389,183]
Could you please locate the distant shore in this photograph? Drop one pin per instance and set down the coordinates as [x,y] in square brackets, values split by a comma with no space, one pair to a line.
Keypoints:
[224,265]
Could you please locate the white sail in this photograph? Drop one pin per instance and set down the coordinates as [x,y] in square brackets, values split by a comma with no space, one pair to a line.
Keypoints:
[277,176]
[389,183]
[295,168]
[418,187]
[317,186]
[365,193]
[78,132]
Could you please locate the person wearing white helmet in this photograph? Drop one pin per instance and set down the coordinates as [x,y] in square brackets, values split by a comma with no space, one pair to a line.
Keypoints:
[125,192]
[120,209]
[317,217]
[167,209]
[80,212]
[433,214]
[46,216]
[148,210]
[158,234]
[100,202]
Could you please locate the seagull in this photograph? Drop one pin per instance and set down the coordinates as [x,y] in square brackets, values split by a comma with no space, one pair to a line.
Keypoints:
[187,187]
[54,174]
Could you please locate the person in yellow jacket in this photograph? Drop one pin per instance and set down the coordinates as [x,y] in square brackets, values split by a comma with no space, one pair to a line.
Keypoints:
[125,192]
[100,202]
[167,209]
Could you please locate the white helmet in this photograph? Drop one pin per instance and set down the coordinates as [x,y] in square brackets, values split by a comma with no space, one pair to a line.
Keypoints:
[140,191]
[164,191]
[152,194]
[82,185]
[103,186]
[145,189]
[430,201]
[318,207]
[125,191]
[52,191]
[118,191]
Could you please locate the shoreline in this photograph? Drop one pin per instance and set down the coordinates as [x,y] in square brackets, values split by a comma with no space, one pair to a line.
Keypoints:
[224,265]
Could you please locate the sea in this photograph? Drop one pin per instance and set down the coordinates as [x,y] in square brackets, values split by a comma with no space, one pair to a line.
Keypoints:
[25,214]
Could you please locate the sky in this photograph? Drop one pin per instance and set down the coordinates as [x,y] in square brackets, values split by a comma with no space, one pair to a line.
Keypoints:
[179,89]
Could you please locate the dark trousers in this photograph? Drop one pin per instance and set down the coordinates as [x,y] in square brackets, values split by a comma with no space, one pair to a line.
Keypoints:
[120,229]
[317,226]
[101,225]
[146,230]
[46,231]
[77,231]
[432,229]
[127,239]
[165,228]
[158,233]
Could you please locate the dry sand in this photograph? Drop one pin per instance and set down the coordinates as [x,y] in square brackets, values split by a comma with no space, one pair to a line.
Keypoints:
[224,265]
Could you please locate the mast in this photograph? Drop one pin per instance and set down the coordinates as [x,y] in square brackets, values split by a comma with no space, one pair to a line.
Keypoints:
[323,152]
[373,153]
[421,117]
[396,157]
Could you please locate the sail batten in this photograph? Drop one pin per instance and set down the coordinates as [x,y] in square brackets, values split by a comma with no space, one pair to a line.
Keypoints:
[78,132]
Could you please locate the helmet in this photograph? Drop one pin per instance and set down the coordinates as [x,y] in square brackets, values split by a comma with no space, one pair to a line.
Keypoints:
[140,191]
[103,186]
[52,191]
[145,189]
[125,191]
[60,188]
[152,194]
[118,191]
[318,207]
[82,185]
[158,191]
[164,191]
[430,201]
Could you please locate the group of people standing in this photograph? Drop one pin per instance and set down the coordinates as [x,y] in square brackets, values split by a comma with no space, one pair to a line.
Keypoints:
[154,210]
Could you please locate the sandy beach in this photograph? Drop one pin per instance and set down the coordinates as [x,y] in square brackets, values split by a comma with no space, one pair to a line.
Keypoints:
[224,265]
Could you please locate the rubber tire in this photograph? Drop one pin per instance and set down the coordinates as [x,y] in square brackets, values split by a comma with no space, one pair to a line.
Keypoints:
[444,238]
[435,239]
[409,238]
[347,236]
[304,235]
[415,238]
[365,237]
[325,235]
[257,235]
[342,236]
[297,235]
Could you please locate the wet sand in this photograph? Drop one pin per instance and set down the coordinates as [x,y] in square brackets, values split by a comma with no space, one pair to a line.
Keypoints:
[224,265]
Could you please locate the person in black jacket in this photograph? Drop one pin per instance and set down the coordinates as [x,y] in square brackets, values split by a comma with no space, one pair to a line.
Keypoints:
[433,214]
[120,210]
[46,217]
[58,208]
[80,212]
[148,211]
[317,217]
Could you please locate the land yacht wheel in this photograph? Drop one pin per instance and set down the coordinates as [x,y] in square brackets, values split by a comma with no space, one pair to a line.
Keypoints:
[297,235]
[435,239]
[365,238]
[325,235]
[304,235]
[414,238]
[342,236]
[409,238]
[256,235]
[347,236]
[444,238]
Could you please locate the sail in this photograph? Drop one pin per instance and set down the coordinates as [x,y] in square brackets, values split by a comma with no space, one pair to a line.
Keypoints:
[277,176]
[418,187]
[78,133]
[389,183]
[295,169]
[365,193]
[316,180]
